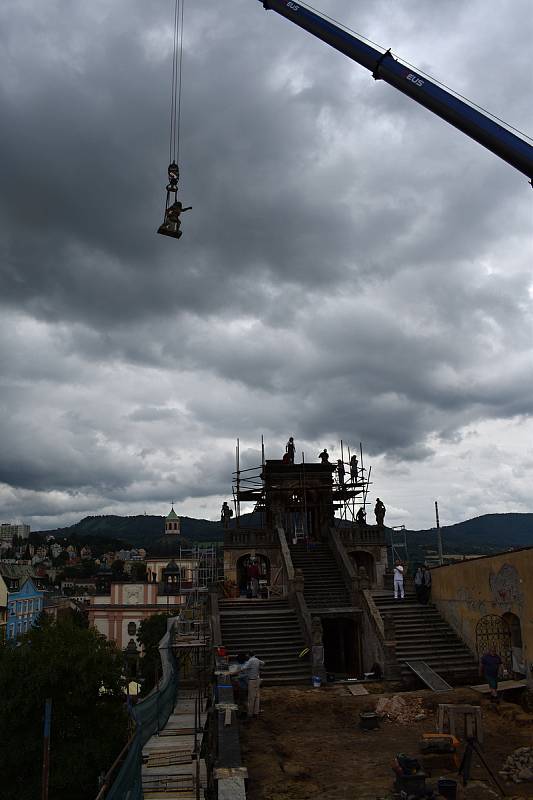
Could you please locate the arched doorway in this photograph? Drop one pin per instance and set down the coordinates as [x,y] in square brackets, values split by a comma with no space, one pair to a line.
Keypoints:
[493,631]
[517,656]
[242,571]
[360,558]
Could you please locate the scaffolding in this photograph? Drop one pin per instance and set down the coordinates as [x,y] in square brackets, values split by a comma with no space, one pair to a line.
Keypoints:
[196,569]
[348,489]
[398,545]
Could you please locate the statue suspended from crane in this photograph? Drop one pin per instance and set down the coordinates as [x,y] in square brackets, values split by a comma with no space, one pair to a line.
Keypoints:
[171,225]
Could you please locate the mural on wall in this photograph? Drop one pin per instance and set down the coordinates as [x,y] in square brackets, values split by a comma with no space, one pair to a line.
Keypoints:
[505,586]
[471,602]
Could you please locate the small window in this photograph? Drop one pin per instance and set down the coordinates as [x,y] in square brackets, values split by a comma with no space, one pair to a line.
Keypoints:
[132,629]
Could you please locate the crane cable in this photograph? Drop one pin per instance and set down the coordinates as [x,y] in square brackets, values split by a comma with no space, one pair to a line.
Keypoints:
[175,100]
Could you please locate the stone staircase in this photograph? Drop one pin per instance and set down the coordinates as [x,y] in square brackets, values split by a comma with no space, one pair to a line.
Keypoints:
[271,630]
[324,586]
[423,635]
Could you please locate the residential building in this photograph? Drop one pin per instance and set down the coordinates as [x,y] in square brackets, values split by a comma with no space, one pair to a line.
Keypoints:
[23,607]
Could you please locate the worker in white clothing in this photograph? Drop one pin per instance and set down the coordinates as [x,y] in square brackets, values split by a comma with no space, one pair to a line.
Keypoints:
[398,582]
[252,669]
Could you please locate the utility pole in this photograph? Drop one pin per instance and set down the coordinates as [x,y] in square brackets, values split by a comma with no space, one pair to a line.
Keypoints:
[439,535]
[46,746]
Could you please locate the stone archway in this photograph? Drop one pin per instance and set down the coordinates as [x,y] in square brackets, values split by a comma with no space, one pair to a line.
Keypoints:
[362,558]
[517,655]
[263,562]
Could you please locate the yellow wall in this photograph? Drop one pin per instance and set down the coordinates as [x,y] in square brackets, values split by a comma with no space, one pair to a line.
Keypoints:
[468,591]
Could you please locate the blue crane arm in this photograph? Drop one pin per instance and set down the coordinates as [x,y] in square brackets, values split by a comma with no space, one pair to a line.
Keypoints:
[473,123]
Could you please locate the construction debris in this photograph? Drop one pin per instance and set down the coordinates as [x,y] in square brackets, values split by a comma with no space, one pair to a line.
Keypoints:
[401,708]
[518,767]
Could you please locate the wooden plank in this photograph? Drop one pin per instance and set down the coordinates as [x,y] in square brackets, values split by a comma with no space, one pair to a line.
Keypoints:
[356,689]
[484,688]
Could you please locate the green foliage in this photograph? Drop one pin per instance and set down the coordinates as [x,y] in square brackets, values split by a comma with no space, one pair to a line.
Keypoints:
[138,572]
[150,633]
[82,673]
[117,568]
[139,531]
[61,560]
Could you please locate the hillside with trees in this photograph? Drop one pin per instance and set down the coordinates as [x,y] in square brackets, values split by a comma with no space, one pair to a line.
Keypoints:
[482,535]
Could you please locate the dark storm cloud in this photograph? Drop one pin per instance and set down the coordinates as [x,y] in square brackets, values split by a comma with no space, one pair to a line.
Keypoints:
[352,266]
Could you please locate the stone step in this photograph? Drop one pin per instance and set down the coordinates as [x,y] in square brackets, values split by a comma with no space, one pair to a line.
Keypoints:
[258,613]
[255,641]
[236,644]
[435,652]
[257,602]
[271,631]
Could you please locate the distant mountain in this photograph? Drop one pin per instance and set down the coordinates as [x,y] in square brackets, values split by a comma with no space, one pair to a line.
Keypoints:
[489,533]
[141,530]
[486,534]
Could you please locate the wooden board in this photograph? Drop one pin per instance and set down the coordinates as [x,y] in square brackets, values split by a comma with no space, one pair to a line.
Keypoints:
[356,689]
[484,688]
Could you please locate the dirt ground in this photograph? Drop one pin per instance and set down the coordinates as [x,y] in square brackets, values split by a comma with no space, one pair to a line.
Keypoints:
[307,743]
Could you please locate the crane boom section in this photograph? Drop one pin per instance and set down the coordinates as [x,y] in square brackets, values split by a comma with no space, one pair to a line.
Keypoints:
[478,126]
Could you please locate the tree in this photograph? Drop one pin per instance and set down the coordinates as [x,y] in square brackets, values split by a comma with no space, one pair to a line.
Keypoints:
[150,633]
[138,571]
[117,568]
[82,673]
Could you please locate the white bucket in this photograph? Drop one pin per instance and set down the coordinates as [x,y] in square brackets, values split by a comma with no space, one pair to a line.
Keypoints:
[316,681]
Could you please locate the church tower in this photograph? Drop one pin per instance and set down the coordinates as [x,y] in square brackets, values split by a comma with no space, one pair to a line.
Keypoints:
[172,523]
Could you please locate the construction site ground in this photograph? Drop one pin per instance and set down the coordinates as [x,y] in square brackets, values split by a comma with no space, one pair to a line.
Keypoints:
[307,743]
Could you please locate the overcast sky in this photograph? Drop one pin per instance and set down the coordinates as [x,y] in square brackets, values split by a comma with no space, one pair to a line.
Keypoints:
[353,267]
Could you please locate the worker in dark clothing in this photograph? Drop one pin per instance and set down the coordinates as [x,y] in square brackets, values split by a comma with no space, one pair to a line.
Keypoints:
[354,468]
[324,456]
[419,584]
[252,573]
[379,511]
[360,517]
[426,585]
[341,472]
[490,666]
[290,450]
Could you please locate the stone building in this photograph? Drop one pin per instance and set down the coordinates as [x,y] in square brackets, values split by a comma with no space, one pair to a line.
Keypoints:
[118,613]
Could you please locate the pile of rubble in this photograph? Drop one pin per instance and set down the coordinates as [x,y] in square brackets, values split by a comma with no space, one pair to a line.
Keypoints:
[401,708]
[518,766]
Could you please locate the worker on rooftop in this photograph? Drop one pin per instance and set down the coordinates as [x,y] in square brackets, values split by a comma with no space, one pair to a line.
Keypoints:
[360,517]
[354,468]
[341,472]
[290,450]
[324,456]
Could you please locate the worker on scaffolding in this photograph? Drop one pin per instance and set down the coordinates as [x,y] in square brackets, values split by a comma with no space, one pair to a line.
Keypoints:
[225,515]
[324,456]
[379,511]
[354,468]
[290,450]
[341,472]
[360,517]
